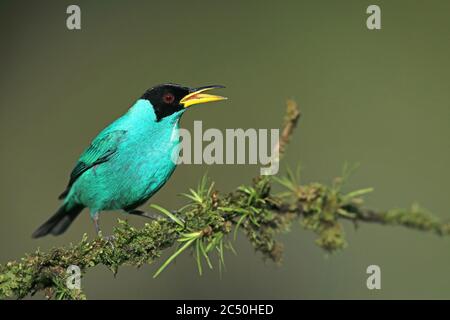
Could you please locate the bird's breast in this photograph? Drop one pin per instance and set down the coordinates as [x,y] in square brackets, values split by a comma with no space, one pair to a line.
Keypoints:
[148,161]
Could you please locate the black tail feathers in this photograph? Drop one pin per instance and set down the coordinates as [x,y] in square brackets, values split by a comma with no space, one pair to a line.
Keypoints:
[64,194]
[59,222]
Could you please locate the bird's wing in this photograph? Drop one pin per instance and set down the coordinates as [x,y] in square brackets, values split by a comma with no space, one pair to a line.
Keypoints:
[100,150]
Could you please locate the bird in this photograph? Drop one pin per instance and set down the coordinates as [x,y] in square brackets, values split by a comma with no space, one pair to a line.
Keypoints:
[129,160]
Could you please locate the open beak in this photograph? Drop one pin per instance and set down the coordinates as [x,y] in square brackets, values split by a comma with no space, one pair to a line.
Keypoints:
[198,96]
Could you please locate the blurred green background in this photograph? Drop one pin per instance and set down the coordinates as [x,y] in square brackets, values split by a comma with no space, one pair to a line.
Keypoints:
[378,98]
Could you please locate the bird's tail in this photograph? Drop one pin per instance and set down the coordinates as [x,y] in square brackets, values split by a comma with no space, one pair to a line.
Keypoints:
[59,222]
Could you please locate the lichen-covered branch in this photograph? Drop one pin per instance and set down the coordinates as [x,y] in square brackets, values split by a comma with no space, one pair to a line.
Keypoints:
[208,224]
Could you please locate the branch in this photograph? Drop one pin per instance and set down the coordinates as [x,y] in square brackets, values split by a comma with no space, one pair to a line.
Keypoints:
[208,224]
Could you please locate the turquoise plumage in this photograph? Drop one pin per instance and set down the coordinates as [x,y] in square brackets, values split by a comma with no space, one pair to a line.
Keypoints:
[134,152]
[130,160]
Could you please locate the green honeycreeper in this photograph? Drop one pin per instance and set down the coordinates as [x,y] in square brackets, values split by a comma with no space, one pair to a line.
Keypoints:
[130,160]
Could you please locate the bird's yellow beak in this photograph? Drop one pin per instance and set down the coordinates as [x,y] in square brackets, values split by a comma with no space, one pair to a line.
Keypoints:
[198,96]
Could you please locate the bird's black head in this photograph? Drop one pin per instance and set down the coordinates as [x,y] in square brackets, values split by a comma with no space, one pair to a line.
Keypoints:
[169,98]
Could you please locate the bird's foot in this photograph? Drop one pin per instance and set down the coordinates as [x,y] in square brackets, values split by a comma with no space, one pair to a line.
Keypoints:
[153,215]
[109,239]
[149,215]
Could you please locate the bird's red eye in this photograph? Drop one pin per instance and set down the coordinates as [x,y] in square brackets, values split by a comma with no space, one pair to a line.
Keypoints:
[168,98]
